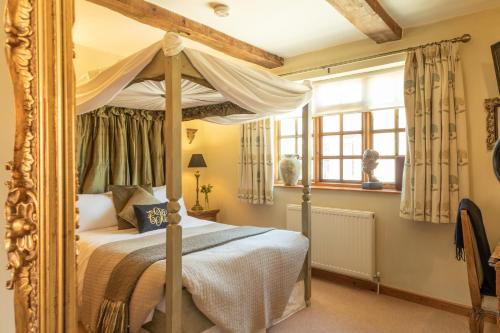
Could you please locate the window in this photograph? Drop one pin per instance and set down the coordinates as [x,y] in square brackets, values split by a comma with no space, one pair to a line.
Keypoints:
[351,115]
[341,147]
[289,139]
[388,137]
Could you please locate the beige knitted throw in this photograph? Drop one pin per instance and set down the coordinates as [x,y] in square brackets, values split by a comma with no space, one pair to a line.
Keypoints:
[114,312]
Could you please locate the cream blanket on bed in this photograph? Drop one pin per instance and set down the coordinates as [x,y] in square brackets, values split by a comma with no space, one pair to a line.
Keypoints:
[240,286]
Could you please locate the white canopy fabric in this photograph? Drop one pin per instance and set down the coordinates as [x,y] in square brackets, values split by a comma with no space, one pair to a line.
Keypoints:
[255,90]
[150,95]
[103,88]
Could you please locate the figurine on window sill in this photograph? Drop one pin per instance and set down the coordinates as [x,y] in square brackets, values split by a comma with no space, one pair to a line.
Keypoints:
[370,158]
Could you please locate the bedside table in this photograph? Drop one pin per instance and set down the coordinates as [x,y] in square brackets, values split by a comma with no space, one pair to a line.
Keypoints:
[209,215]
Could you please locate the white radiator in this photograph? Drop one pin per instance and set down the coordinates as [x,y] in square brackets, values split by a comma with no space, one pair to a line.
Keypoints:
[343,241]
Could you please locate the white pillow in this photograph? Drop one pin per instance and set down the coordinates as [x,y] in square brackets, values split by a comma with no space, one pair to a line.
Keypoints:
[160,193]
[96,211]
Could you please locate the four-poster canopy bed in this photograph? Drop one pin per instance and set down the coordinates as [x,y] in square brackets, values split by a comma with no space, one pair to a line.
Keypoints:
[187,83]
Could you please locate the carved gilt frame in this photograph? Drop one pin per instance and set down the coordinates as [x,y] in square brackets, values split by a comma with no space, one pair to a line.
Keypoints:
[492,108]
[40,209]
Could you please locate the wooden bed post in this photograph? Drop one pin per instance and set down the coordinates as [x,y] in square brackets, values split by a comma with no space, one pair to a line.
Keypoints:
[306,196]
[173,171]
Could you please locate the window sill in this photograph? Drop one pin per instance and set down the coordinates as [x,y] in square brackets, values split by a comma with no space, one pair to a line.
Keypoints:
[341,188]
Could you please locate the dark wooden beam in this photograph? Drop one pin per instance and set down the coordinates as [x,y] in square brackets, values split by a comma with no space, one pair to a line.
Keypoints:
[370,18]
[164,19]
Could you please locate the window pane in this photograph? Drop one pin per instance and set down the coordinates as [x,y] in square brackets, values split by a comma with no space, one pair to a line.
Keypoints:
[386,171]
[287,126]
[299,127]
[331,169]
[352,122]
[287,146]
[352,169]
[331,145]
[383,119]
[384,143]
[299,146]
[331,123]
[402,144]
[311,165]
[402,118]
[352,144]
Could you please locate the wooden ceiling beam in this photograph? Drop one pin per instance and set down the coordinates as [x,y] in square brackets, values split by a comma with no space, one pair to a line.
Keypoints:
[370,18]
[164,19]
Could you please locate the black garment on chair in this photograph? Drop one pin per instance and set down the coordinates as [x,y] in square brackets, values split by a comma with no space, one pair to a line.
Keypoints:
[476,221]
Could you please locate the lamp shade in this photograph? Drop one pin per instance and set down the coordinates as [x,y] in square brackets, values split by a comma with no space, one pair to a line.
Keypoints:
[197,161]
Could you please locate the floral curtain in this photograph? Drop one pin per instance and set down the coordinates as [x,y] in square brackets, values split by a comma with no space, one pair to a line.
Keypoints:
[119,146]
[256,163]
[436,173]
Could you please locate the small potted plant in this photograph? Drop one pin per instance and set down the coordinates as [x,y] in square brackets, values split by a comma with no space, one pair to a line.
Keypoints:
[205,189]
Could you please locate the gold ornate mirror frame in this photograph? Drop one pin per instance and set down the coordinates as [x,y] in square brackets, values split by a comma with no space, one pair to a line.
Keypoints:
[492,108]
[40,208]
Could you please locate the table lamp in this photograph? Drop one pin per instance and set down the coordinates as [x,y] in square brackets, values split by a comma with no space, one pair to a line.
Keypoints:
[197,161]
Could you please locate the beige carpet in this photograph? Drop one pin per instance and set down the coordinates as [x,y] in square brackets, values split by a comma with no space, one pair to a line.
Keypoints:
[336,308]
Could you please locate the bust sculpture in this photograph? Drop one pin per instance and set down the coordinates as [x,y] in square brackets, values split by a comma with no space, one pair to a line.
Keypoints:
[370,163]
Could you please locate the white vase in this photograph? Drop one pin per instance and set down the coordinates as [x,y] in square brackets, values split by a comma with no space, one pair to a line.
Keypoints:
[290,168]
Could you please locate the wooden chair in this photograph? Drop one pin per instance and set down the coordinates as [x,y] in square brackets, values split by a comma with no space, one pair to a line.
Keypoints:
[480,303]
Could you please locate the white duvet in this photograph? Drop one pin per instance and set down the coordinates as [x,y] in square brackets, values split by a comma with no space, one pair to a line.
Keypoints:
[92,239]
[254,250]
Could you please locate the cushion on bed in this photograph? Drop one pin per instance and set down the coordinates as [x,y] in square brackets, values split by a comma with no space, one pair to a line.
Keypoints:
[121,195]
[151,217]
[140,197]
[96,211]
[160,193]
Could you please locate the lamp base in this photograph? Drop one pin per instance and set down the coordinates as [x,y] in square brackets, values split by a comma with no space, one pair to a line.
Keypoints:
[197,207]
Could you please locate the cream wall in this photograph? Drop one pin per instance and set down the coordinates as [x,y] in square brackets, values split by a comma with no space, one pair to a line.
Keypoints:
[417,257]
[89,59]
[7,123]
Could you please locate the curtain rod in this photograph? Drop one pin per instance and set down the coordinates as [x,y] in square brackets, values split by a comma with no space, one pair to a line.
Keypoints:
[462,39]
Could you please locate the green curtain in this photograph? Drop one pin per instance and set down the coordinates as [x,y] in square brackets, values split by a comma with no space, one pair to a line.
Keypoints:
[119,146]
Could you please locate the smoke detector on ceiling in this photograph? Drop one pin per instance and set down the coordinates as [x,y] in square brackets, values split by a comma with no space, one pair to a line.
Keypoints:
[220,9]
